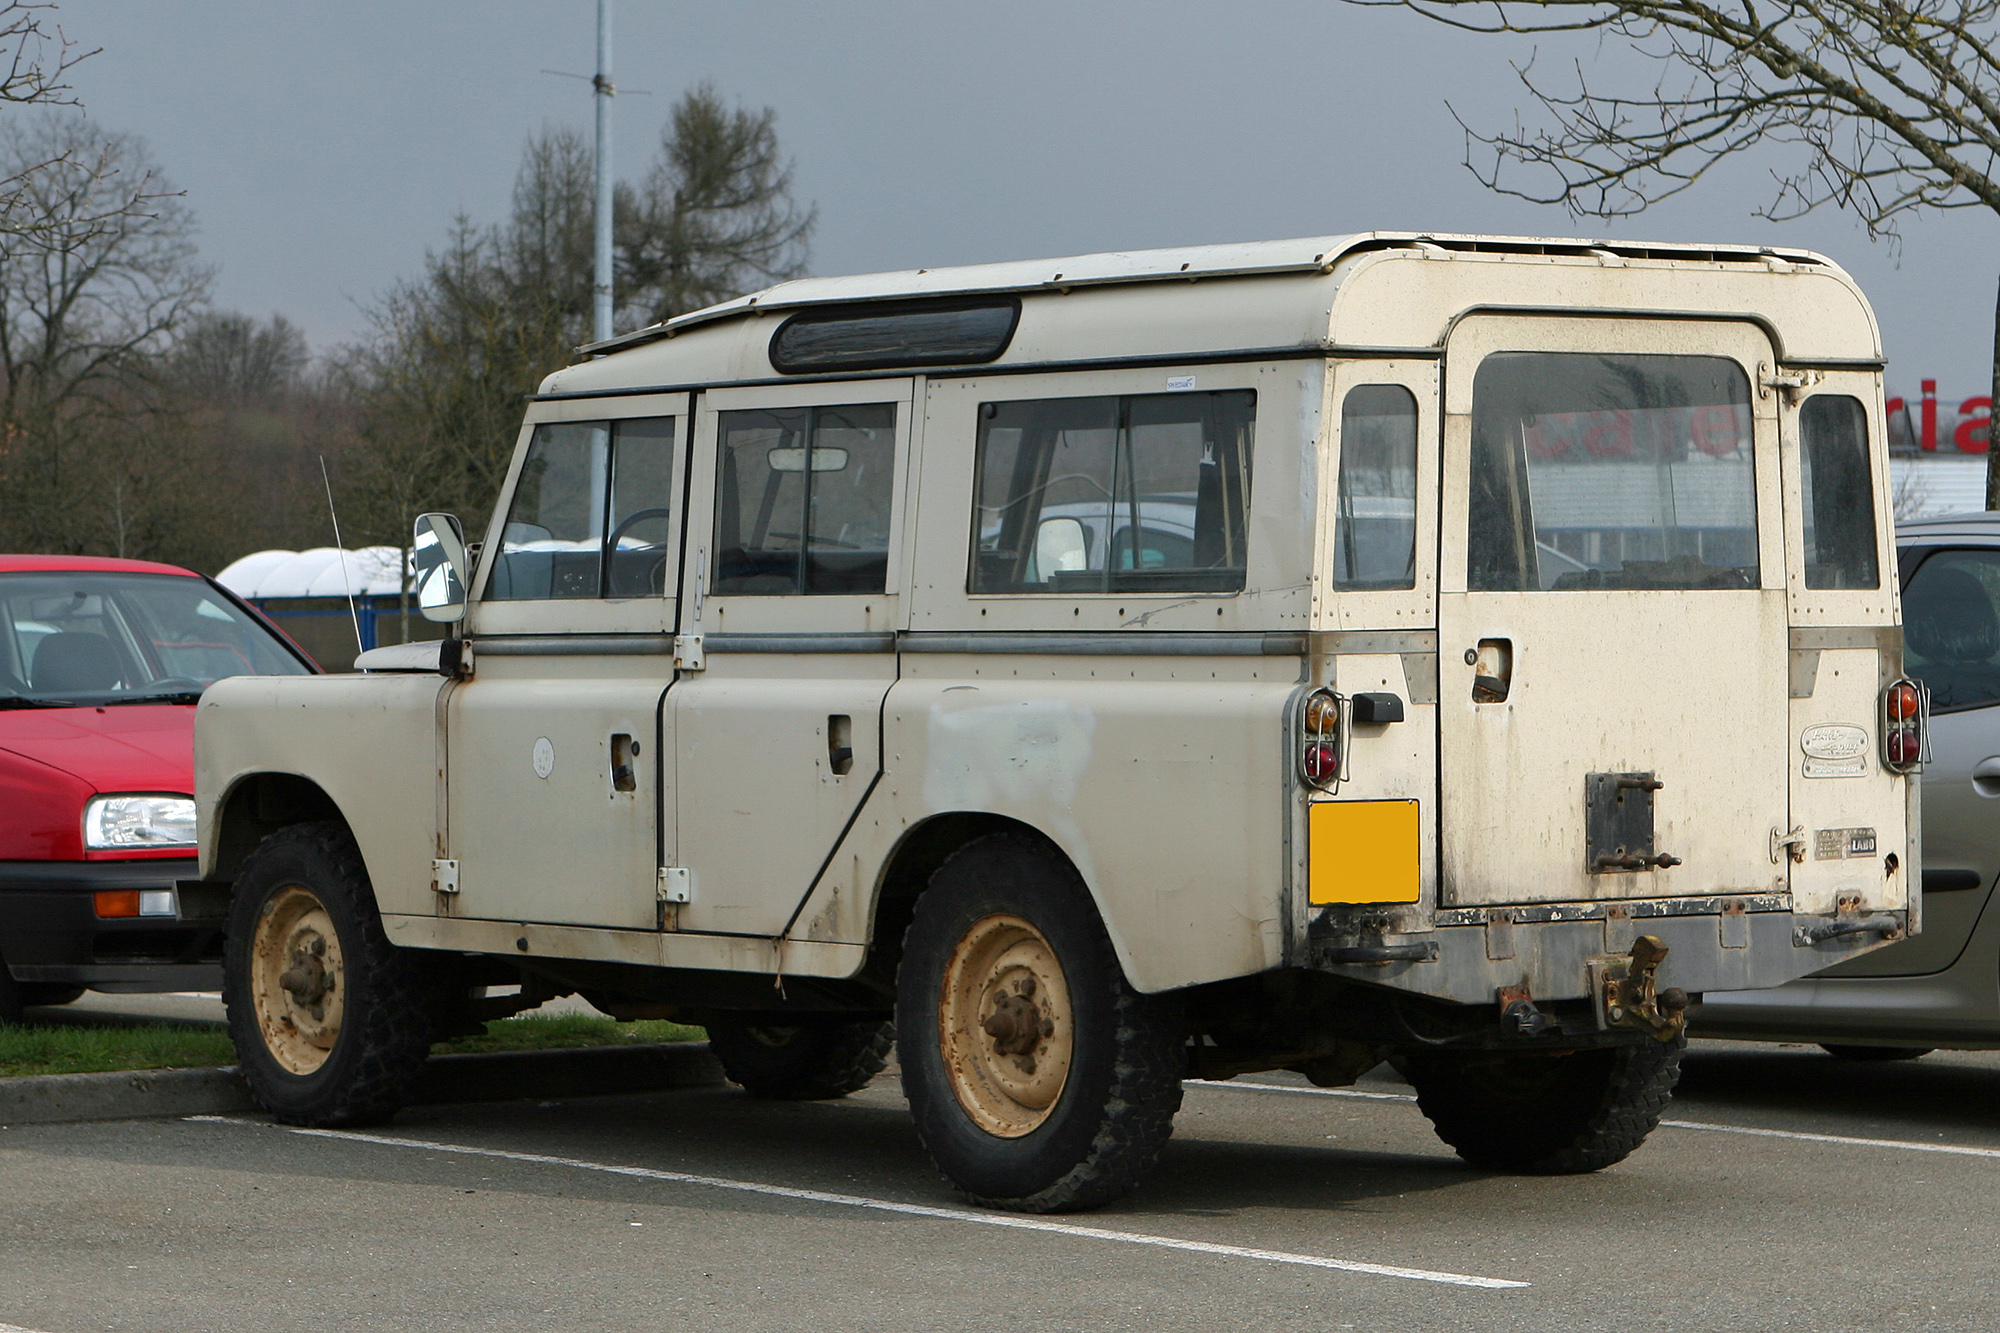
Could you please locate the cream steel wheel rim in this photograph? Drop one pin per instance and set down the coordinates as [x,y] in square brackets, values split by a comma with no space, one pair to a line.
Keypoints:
[298,982]
[1005,1025]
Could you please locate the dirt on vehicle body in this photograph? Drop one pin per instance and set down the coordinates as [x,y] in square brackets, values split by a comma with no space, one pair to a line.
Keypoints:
[1120,669]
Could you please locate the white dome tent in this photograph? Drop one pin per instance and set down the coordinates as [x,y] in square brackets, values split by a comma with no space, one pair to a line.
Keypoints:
[306,593]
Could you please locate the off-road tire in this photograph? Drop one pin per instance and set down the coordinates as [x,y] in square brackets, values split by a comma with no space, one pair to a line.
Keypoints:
[1875,1054]
[1545,1115]
[808,1063]
[1115,1110]
[371,1069]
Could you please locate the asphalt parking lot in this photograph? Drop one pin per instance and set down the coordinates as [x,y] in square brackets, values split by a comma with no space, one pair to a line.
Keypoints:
[1788,1192]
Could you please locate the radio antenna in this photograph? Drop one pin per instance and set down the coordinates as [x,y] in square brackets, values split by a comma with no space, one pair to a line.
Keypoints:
[341,547]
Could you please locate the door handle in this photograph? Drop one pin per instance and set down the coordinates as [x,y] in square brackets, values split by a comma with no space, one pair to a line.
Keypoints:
[1492,664]
[1986,776]
[840,744]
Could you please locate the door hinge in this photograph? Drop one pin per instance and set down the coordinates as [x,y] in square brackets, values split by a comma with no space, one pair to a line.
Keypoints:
[1793,383]
[676,884]
[687,653]
[1793,842]
[444,876]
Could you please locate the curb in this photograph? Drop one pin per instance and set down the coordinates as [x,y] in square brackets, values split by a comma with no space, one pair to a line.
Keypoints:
[592,1071]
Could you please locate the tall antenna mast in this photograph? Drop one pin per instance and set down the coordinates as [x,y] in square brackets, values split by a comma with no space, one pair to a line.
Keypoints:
[601,287]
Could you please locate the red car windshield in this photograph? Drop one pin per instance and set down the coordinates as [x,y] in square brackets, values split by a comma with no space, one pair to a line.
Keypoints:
[98,638]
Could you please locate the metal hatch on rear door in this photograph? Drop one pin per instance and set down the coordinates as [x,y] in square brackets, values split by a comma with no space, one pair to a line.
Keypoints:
[1611,619]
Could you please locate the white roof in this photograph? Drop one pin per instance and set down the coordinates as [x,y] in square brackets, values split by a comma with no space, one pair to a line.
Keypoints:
[1305,254]
[323,571]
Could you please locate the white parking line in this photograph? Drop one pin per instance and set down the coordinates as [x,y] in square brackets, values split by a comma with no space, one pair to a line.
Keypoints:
[1012,1221]
[14,1328]
[1843,1140]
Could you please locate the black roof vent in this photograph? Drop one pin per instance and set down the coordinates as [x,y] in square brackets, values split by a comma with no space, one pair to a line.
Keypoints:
[884,336]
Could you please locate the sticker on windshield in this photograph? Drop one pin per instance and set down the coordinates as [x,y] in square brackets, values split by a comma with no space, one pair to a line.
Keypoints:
[1835,750]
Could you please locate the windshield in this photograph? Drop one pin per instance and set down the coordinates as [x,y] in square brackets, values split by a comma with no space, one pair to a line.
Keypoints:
[125,638]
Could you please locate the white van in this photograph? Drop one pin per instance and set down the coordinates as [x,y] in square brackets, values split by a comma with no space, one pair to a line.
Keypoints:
[1461,651]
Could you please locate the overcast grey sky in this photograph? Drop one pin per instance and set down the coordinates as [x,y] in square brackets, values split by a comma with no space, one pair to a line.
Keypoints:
[325,146]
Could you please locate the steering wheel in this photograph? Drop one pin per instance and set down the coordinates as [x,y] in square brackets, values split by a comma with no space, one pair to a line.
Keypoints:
[611,542]
[611,547]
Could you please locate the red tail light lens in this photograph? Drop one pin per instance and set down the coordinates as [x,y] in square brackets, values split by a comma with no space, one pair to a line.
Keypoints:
[1322,762]
[1904,705]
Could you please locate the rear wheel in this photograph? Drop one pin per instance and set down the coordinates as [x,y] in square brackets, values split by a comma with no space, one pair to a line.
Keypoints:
[806,1063]
[1553,1114]
[1039,1079]
[328,1018]
[1875,1054]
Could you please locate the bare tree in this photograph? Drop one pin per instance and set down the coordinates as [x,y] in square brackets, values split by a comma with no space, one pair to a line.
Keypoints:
[88,301]
[37,55]
[223,357]
[455,351]
[1886,108]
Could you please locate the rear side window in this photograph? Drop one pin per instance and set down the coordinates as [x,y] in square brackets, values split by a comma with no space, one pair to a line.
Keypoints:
[1951,632]
[1839,493]
[1375,527]
[803,498]
[1592,471]
[589,514]
[1143,493]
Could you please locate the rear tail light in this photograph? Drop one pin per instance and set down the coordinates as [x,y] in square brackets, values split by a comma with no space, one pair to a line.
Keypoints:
[1323,739]
[1905,708]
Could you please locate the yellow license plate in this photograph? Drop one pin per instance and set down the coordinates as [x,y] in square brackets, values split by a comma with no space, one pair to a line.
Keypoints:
[1362,852]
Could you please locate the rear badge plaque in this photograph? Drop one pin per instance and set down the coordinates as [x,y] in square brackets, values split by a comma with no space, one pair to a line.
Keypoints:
[1838,844]
[1834,750]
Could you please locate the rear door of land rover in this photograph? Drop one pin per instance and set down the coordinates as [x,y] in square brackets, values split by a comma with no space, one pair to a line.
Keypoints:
[1612,640]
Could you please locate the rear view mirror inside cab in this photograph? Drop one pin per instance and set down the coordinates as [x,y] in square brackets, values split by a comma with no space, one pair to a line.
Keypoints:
[824,459]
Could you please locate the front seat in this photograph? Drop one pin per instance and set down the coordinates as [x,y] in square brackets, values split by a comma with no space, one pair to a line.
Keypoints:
[1948,621]
[70,662]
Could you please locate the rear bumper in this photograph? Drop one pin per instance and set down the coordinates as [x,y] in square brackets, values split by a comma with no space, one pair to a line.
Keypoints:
[1473,954]
[50,931]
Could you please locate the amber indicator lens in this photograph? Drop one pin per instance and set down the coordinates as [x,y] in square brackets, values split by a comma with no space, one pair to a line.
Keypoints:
[1322,713]
[1903,702]
[117,902]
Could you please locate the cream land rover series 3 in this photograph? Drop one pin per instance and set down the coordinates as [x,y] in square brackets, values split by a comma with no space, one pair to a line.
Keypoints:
[1103,672]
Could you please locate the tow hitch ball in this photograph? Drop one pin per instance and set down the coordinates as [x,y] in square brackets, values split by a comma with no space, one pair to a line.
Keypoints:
[1627,994]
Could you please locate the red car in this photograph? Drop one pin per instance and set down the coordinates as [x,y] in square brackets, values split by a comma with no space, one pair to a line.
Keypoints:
[101,664]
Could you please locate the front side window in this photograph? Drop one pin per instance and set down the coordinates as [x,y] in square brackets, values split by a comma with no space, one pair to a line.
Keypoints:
[589,514]
[1839,493]
[1593,471]
[1951,631]
[1375,526]
[102,638]
[1143,493]
[803,500]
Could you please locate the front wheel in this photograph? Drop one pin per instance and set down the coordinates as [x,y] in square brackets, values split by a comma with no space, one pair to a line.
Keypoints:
[1039,1079]
[1546,1114]
[328,1018]
[813,1062]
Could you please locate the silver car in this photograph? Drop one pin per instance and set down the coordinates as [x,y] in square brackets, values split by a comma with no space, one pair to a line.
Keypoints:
[1942,988]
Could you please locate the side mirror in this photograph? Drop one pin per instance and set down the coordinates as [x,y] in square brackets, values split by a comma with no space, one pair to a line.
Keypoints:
[440,571]
[1060,545]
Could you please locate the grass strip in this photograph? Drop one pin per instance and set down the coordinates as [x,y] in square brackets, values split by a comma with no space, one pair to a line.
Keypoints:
[60,1049]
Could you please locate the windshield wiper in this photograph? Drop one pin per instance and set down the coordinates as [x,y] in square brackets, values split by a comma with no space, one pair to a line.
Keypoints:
[23,701]
[167,697]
